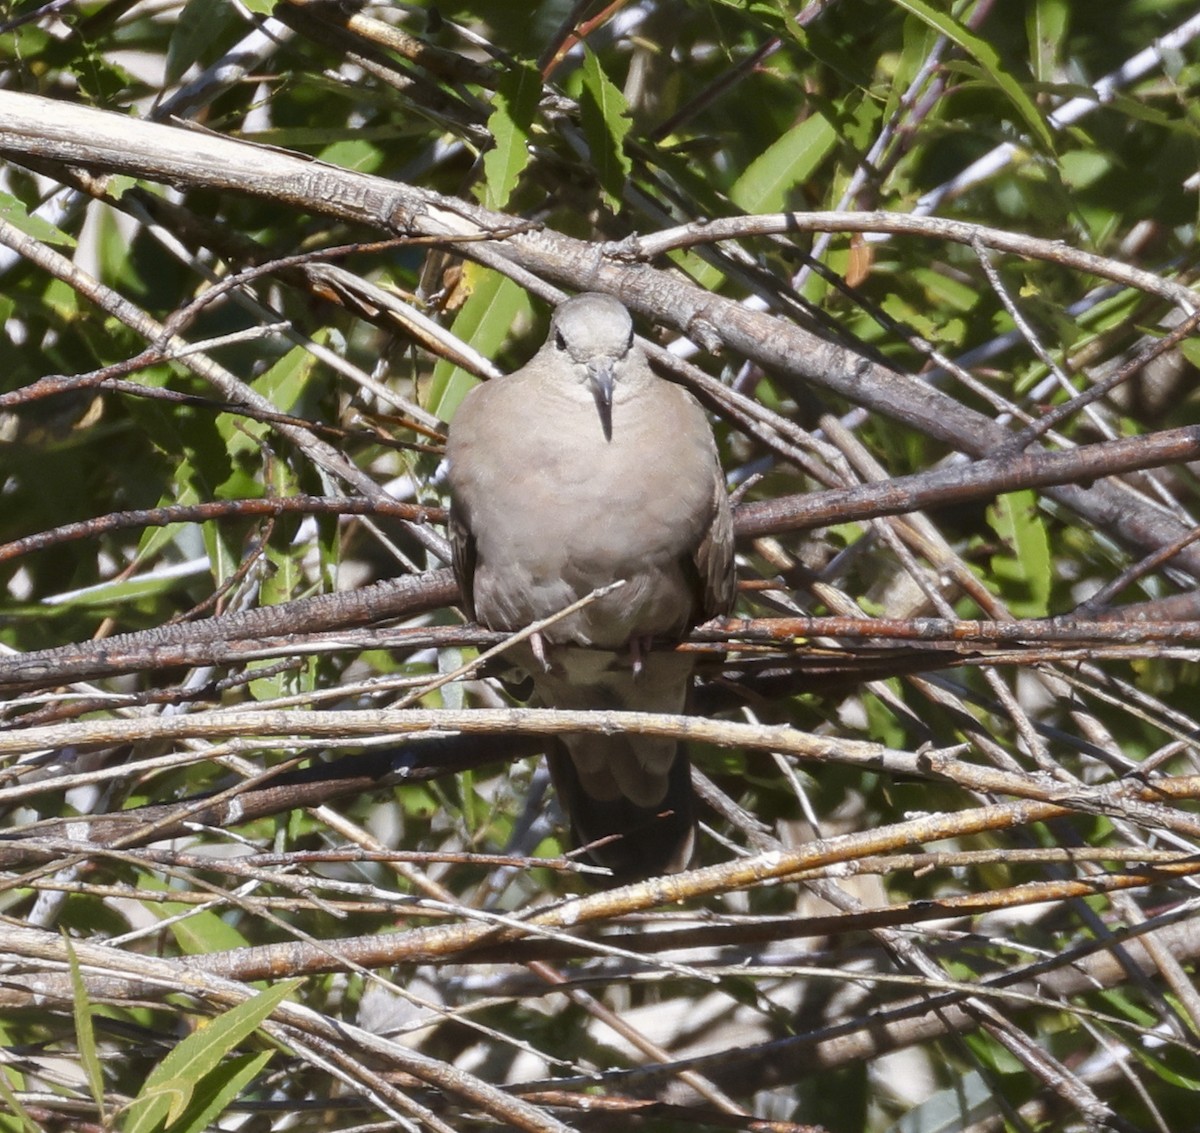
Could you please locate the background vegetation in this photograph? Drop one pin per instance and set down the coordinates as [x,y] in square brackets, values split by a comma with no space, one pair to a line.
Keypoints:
[948,867]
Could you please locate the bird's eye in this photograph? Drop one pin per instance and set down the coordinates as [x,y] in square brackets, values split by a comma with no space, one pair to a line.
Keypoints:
[559,341]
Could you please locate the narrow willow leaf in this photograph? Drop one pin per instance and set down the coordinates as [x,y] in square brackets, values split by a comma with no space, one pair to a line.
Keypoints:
[1021,571]
[516,103]
[171,1085]
[605,117]
[21,1122]
[196,31]
[986,56]
[767,182]
[85,1034]
[219,1089]
[1045,28]
[485,321]
[16,214]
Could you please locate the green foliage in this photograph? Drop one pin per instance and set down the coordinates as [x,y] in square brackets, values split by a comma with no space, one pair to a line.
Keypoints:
[1021,570]
[604,115]
[494,305]
[774,177]
[17,1120]
[198,1079]
[660,115]
[990,64]
[84,1031]
[510,125]
[15,213]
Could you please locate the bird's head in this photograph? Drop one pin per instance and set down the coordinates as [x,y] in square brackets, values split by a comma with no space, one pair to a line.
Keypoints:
[591,339]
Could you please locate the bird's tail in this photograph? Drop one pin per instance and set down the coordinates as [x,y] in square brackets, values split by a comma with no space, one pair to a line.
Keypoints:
[633,841]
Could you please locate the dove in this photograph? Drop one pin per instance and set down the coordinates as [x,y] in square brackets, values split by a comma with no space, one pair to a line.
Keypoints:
[581,469]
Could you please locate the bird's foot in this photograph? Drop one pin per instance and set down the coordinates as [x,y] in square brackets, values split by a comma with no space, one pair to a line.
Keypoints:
[538,644]
[638,648]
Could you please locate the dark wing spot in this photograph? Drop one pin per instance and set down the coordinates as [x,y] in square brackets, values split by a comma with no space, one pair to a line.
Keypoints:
[463,555]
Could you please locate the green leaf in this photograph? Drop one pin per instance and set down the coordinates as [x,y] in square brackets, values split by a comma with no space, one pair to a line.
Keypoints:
[16,214]
[204,931]
[605,117]
[1190,349]
[1045,28]
[768,181]
[966,1101]
[1022,570]
[23,1122]
[218,1089]
[516,103]
[484,321]
[197,931]
[85,1034]
[986,56]
[103,79]
[197,29]
[1159,1067]
[121,591]
[283,385]
[173,1084]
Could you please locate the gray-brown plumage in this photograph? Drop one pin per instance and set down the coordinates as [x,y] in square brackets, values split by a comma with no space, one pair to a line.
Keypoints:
[580,469]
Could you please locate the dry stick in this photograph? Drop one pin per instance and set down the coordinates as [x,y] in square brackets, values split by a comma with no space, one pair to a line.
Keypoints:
[957,231]
[570,32]
[1097,390]
[218,509]
[449,103]
[958,483]
[544,943]
[905,1024]
[1060,630]
[31,126]
[106,379]
[1144,867]
[1161,868]
[952,643]
[1138,802]
[1109,591]
[428,944]
[295,628]
[418,762]
[961,482]
[322,279]
[167,977]
[351,726]
[186,644]
[321,454]
[437,60]
[414,594]
[664,1115]
[236,806]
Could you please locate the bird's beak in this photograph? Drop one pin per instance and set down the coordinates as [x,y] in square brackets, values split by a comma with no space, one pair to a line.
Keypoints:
[600,374]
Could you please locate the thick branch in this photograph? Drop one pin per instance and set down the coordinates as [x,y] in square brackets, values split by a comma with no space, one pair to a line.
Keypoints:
[42,128]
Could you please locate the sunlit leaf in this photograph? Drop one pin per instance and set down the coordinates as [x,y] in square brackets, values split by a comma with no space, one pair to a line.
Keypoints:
[516,103]
[604,114]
